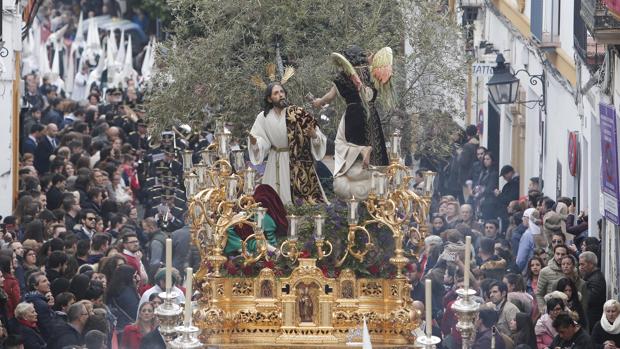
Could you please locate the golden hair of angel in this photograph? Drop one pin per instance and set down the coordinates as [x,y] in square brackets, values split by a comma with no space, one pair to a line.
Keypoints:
[270,70]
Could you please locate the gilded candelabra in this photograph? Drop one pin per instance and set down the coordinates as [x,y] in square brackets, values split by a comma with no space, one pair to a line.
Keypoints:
[219,190]
[391,202]
[266,308]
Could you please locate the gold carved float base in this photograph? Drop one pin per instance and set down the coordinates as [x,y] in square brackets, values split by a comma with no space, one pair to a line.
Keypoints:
[305,308]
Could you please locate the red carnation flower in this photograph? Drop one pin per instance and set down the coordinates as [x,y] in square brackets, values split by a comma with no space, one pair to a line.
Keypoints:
[374,269]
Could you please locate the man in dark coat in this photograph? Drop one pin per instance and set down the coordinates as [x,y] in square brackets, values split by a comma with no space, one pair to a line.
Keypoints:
[70,333]
[39,296]
[510,190]
[45,148]
[596,284]
[487,319]
[30,144]
[467,157]
[570,335]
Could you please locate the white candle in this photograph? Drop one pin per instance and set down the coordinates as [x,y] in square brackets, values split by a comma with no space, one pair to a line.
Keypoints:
[381,189]
[318,222]
[353,209]
[429,308]
[293,228]
[467,261]
[188,296]
[168,265]
[373,185]
[223,144]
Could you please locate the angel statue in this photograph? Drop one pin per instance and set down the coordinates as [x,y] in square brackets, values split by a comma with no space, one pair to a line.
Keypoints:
[359,140]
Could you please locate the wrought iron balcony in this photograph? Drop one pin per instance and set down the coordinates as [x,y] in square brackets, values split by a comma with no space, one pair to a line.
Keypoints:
[604,26]
[591,52]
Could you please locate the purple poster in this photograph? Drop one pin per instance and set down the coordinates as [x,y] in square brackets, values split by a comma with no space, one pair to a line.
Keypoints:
[609,163]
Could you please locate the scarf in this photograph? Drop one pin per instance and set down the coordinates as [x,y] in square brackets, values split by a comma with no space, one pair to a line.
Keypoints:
[30,324]
[608,327]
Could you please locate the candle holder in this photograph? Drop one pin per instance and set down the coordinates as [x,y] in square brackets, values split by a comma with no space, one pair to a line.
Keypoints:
[428,342]
[238,158]
[429,180]
[395,146]
[466,311]
[191,184]
[169,315]
[319,240]
[188,338]
[187,160]
[249,181]
[259,237]
[289,247]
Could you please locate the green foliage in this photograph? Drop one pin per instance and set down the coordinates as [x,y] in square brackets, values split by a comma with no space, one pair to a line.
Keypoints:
[218,44]
[376,263]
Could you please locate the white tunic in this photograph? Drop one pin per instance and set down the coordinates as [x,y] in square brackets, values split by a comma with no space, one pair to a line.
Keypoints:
[272,138]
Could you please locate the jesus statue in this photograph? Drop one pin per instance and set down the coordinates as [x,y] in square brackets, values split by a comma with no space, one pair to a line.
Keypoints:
[293,141]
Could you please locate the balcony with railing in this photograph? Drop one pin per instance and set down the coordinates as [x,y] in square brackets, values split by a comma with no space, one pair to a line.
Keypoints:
[600,21]
[591,52]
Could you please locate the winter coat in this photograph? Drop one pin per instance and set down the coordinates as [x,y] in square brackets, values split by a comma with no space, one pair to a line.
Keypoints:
[544,331]
[547,280]
[31,336]
[597,294]
[46,317]
[581,340]
[11,287]
[132,337]
[65,335]
[124,306]
[599,336]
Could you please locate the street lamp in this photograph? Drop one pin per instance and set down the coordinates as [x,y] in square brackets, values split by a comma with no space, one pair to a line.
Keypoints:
[504,85]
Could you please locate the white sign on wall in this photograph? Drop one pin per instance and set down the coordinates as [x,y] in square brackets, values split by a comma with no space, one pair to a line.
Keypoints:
[483,69]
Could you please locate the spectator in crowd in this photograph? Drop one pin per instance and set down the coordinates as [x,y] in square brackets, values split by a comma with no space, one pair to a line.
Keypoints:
[71,332]
[570,335]
[544,329]
[40,296]
[596,284]
[26,326]
[10,285]
[485,190]
[606,332]
[507,311]
[567,286]
[146,323]
[122,296]
[550,275]
[160,286]
[487,318]
[523,330]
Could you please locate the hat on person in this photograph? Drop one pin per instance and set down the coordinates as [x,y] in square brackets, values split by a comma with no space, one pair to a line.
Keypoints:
[433,240]
[555,224]
[505,170]
[31,244]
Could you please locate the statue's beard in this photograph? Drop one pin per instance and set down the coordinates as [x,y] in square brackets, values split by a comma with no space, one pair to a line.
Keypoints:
[283,103]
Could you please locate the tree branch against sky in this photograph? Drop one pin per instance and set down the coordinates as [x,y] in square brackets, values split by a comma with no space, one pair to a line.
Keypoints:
[217,45]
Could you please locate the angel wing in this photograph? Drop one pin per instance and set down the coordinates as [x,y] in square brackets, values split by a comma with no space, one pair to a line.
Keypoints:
[346,66]
[381,66]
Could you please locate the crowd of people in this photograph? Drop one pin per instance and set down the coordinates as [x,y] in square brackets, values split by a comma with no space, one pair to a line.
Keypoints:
[535,269]
[81,255]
